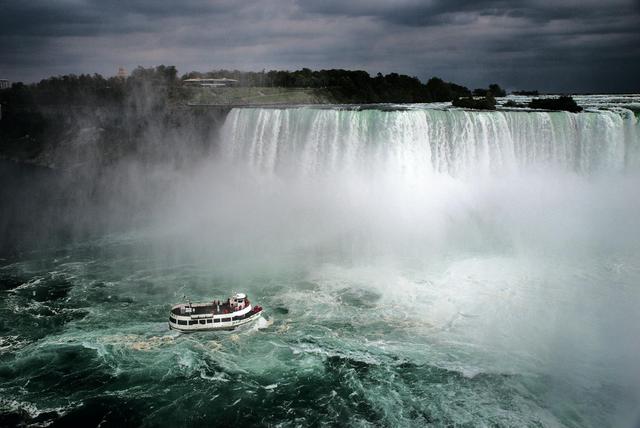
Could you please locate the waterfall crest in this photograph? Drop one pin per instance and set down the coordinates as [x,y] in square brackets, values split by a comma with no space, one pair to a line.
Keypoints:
[415,143]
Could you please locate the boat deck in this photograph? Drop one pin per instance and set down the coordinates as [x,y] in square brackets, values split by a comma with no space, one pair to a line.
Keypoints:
[208,309]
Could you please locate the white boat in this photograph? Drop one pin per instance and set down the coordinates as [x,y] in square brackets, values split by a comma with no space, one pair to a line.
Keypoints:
[215,315]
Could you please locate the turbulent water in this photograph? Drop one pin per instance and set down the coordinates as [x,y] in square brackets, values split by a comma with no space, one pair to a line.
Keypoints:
[421,266]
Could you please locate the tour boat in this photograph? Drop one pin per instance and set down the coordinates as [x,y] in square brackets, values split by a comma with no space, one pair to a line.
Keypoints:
[215,315]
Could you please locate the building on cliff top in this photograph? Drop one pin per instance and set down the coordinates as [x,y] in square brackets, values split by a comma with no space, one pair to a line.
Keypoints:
[216,83]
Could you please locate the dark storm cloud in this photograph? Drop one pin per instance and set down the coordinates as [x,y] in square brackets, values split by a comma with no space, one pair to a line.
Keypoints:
[425,12]
[90,17]
[566,45]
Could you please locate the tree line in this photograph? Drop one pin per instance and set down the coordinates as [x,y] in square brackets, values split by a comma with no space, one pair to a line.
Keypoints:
[344,86]
[90,89]
[355,86]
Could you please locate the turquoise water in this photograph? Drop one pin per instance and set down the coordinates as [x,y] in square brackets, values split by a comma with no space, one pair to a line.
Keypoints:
[491,285]
[85,339]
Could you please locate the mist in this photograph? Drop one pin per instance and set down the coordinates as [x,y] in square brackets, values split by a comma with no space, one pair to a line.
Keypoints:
[526,256]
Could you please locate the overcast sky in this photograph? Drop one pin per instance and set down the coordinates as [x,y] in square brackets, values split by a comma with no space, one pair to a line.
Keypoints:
[551,45]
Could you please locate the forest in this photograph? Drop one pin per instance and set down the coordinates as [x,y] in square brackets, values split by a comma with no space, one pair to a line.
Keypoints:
[344,86]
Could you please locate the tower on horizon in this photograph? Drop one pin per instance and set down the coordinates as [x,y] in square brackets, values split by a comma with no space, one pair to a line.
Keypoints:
[122,73]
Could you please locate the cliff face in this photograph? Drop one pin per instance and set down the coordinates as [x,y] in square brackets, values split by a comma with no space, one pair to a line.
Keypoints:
[88,137]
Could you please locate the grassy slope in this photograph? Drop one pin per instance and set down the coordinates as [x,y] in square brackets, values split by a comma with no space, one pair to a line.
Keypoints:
[258,96]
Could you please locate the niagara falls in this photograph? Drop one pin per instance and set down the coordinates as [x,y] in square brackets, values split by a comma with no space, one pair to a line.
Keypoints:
[320,214]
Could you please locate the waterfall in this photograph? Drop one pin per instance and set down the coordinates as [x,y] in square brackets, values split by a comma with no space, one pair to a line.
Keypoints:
[418,143]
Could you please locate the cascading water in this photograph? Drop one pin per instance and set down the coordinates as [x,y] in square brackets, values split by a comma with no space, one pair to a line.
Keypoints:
[416,143]
[422,266]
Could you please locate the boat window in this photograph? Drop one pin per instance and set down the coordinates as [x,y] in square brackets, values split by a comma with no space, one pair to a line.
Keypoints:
[216,320]
[193,322]
[226,319]
[203,321]
[182,322]
[209,321]
[172,319]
